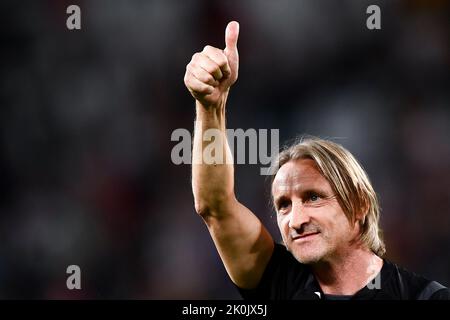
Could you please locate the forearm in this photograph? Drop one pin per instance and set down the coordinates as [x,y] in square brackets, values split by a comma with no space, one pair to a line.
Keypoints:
[212,177]
[243,243]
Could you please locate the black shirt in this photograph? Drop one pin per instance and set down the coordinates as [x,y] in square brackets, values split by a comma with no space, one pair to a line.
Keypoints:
[285,279]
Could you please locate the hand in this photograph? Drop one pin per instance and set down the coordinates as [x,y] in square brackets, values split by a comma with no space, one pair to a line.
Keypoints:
[211,73]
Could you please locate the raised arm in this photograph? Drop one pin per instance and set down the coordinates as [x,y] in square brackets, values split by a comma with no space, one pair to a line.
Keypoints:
[243,243]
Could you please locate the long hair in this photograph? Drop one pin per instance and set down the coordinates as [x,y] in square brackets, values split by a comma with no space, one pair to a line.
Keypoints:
[349,181]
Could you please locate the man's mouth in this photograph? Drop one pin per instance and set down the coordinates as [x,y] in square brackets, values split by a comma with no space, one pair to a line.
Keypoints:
[305,236]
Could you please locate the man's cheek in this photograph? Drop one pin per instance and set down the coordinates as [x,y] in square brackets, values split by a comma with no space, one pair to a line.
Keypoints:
[282,225]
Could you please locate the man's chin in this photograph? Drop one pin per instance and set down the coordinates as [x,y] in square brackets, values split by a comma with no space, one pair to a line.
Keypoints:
[308,259]
[307,255]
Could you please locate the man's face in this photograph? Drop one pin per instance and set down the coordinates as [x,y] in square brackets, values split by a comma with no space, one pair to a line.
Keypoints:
[311,221]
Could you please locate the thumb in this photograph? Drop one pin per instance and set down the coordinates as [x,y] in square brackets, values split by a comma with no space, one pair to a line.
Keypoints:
[231,39]
[231,36]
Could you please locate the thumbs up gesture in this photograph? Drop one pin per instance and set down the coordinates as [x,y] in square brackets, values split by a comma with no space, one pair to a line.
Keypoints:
[211,73]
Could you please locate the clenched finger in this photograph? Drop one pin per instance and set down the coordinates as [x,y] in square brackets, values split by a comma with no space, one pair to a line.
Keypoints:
[196,86]
[219,58]
[203,61]
[202,75]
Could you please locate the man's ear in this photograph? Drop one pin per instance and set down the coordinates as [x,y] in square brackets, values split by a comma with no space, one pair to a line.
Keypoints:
[362,213]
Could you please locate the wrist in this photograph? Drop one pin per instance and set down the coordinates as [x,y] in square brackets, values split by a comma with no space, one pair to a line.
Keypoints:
[213,108]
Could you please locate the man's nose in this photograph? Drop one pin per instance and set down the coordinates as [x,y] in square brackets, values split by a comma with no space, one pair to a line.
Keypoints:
[299,215]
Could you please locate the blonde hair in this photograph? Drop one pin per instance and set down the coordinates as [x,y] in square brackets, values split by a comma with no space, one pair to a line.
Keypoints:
[349,181]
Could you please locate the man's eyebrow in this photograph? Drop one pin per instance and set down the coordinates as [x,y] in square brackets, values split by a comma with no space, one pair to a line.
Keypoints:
[279,197]
[302,191]
[318,190]
[301,187]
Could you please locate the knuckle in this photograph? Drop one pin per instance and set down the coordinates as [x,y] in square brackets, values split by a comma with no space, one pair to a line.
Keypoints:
[195,56]
[208,48]
[187,80]
[187,84]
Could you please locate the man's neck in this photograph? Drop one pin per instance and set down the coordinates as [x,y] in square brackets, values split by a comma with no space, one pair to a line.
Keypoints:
[349,273]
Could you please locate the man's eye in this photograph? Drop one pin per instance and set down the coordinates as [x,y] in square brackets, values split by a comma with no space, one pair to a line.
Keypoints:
[283,205]
[314,197]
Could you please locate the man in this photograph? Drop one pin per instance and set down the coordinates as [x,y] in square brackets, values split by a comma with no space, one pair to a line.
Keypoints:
[327,210]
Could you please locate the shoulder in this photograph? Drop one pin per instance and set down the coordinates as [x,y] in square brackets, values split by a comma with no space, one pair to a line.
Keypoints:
[434,291]
[406,284]
[442,294]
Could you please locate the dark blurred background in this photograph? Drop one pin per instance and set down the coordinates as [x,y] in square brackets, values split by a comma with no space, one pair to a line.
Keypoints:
[86,118]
